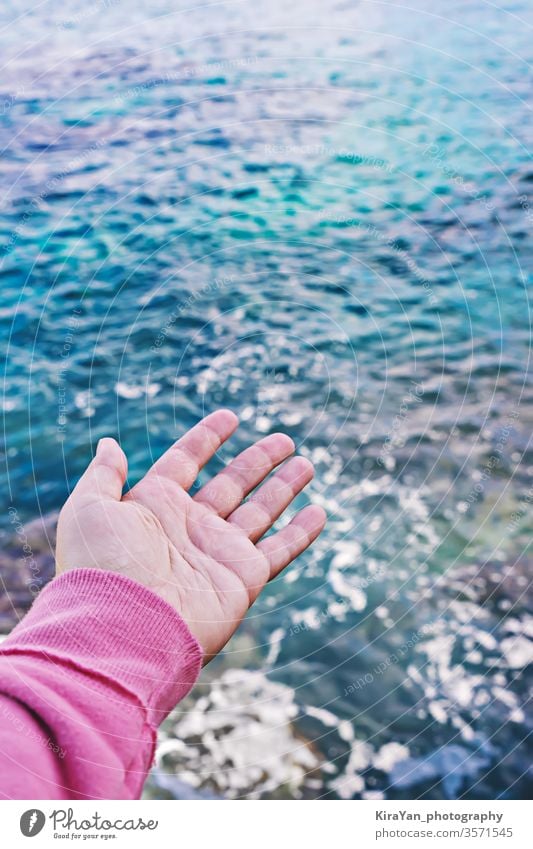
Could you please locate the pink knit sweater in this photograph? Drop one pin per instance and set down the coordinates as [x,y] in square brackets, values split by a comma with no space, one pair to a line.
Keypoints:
[85,679]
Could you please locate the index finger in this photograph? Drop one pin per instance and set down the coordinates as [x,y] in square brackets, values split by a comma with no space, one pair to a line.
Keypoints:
[183,460]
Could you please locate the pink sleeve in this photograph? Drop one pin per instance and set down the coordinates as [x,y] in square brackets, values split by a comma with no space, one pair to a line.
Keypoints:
[85,679]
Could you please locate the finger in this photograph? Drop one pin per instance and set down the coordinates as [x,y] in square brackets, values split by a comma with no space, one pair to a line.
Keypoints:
[226,490]
[105,475]
[282,548]
[183,460]
[260,512]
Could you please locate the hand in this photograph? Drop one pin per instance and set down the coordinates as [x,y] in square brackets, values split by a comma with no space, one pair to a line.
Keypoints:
[203,554]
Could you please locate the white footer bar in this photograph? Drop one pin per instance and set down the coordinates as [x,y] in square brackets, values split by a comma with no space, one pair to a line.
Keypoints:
[263,825]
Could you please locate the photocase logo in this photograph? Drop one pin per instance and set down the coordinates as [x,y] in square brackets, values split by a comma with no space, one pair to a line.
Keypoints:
[32,822]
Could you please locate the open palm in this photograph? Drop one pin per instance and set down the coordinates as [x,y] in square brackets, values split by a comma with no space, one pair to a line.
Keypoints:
[203,554]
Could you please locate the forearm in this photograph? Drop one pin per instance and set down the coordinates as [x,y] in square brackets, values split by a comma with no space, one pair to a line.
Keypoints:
[86,678]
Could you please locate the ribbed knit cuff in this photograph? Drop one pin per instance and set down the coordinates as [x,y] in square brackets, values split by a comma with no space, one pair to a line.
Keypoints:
[116,628]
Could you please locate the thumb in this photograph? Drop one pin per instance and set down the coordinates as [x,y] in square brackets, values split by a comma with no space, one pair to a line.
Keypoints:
[105,475]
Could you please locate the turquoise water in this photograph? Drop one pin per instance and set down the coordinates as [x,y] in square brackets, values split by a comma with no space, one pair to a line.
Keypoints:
[319,216]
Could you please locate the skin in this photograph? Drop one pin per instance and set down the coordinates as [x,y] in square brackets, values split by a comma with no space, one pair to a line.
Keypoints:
[206,554]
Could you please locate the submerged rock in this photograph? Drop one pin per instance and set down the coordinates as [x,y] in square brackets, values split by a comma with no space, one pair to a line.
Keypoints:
[27,564]
[451,764]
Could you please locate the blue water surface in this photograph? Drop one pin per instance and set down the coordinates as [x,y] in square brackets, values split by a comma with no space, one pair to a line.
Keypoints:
[317,214]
